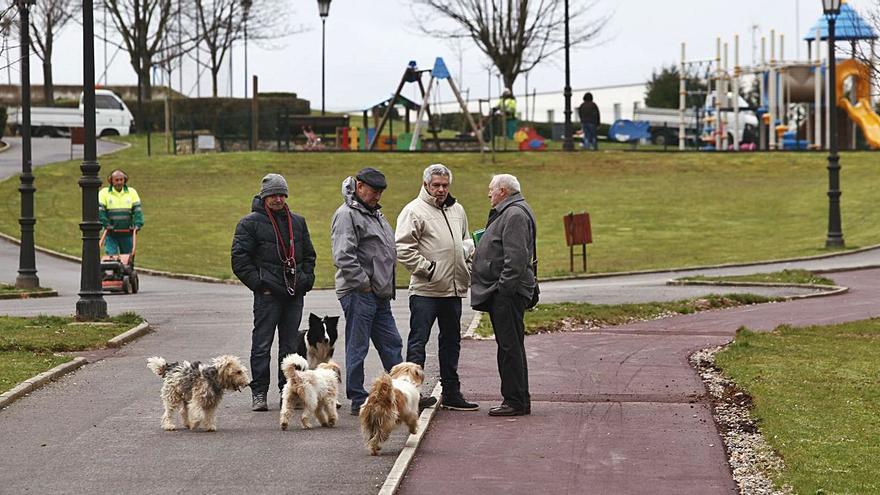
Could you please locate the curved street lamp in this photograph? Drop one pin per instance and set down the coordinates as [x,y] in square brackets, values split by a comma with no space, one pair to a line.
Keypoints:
[831,9]
[324,11]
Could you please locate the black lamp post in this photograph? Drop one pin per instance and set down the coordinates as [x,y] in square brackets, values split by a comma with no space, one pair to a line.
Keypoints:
[567,144]
[246,7]
[27,265]
[91,304]
[324,11]
[831,8]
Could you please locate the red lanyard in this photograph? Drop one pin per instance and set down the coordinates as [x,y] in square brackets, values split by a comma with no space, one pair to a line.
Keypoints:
[283,252]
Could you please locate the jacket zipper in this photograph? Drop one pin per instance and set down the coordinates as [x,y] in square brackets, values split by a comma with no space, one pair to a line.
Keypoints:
[454,254]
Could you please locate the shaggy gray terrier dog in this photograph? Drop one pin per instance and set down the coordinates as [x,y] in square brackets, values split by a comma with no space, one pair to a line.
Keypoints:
[195,389]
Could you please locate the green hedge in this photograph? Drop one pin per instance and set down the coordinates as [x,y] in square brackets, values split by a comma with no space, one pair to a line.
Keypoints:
[3,117]
[220,116]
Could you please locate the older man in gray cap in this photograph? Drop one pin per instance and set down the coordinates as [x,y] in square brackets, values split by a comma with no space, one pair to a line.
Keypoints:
[365,257]
[272,255]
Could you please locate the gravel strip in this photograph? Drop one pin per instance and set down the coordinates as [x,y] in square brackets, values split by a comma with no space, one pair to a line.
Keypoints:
[752,460]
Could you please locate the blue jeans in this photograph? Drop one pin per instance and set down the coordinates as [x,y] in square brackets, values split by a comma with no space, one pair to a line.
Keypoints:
[591,140]
[423,311]
[367,317]
[270,313]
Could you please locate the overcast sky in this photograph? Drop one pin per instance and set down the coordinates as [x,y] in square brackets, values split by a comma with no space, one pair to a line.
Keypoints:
[369,43]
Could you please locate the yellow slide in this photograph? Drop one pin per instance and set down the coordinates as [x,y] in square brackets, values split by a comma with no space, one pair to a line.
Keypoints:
[861,113]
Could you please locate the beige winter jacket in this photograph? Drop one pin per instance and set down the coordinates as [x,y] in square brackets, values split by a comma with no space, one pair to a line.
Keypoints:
[429,244]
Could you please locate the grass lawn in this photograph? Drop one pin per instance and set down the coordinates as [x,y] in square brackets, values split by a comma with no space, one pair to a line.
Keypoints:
[783,277]
[817,400]
[562,316]
[648,210]
[28,345]
[7,290]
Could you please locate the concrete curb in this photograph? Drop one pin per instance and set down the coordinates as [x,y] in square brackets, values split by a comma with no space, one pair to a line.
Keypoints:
[470,334]
[129,335]
[215,280]
[832,290]
[4,146]
[404,459]
[30,295]
[723,265]
[26,387]
[31,384]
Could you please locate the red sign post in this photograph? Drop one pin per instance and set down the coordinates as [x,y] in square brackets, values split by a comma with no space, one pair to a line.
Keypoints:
[577,231]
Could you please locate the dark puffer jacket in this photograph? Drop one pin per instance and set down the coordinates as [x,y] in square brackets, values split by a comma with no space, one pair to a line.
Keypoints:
[255,258]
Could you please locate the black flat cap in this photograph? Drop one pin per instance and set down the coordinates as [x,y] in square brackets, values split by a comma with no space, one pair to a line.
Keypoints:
[372,177]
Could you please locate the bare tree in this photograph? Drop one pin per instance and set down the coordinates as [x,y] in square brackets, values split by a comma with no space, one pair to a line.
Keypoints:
[47,20]
[516,35]
[223,22]
[144,27]
[866,50]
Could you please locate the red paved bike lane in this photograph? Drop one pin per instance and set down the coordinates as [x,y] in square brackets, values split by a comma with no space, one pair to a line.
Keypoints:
[617,410]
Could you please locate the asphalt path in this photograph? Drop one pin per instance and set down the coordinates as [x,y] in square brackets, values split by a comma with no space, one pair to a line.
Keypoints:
[44,150]
[97,430]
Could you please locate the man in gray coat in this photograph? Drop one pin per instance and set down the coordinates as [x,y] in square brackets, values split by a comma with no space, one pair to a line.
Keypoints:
[502,283]
[365,257]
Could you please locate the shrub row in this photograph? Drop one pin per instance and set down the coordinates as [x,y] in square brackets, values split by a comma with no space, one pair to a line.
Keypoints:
[221,116]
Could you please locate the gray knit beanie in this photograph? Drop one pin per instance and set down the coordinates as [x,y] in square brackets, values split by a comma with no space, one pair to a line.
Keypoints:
[273,184]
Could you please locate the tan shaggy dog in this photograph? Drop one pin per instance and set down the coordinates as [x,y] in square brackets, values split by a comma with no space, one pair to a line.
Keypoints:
[197,388]
[393,400]
[316,390]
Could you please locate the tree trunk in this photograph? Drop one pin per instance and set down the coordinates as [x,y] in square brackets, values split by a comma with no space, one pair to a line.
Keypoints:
[48,86]
[214,72]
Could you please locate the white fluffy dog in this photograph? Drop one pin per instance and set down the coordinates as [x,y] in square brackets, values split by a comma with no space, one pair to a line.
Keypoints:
[316,389]
[197,388]
[393,400]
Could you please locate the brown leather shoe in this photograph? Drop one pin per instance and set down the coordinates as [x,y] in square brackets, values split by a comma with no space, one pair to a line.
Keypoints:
[505,410]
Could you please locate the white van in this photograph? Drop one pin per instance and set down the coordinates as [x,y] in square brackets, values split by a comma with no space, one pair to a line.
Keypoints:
[112,117]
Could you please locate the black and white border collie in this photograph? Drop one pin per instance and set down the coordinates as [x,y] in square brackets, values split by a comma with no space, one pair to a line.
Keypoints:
[317,342]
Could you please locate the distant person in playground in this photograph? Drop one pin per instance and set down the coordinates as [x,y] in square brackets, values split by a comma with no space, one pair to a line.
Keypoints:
[507,106]
[589,114]
[434,244]
[119,210]
[272,254]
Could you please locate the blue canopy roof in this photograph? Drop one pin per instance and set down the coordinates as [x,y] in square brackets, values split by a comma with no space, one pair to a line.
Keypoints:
[849,26]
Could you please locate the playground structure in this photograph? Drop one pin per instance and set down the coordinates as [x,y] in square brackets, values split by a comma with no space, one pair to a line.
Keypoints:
[793,95]
[412,74]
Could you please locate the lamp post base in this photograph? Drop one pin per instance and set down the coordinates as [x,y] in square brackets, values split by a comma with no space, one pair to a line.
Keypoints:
[27,281]
[91,309]
[834,242]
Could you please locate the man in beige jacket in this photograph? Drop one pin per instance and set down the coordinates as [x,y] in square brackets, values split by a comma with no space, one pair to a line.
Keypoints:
[434,244]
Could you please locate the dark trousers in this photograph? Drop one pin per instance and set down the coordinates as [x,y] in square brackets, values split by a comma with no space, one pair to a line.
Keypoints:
[591,139]
[271,313]
[506,314]
[423,311]
[367,318]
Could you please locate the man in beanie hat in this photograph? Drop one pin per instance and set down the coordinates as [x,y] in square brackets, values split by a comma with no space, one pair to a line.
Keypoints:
[272,255]
[365,257]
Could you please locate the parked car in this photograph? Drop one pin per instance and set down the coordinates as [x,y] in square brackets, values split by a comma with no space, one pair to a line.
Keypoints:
[112,117]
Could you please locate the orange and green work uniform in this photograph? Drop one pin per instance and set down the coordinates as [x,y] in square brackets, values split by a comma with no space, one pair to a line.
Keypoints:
[119,210]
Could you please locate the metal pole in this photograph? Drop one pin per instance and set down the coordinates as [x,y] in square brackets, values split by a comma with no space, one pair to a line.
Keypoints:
[91,304]
[835,230]
[567,144]
[323,26]
[27,265]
